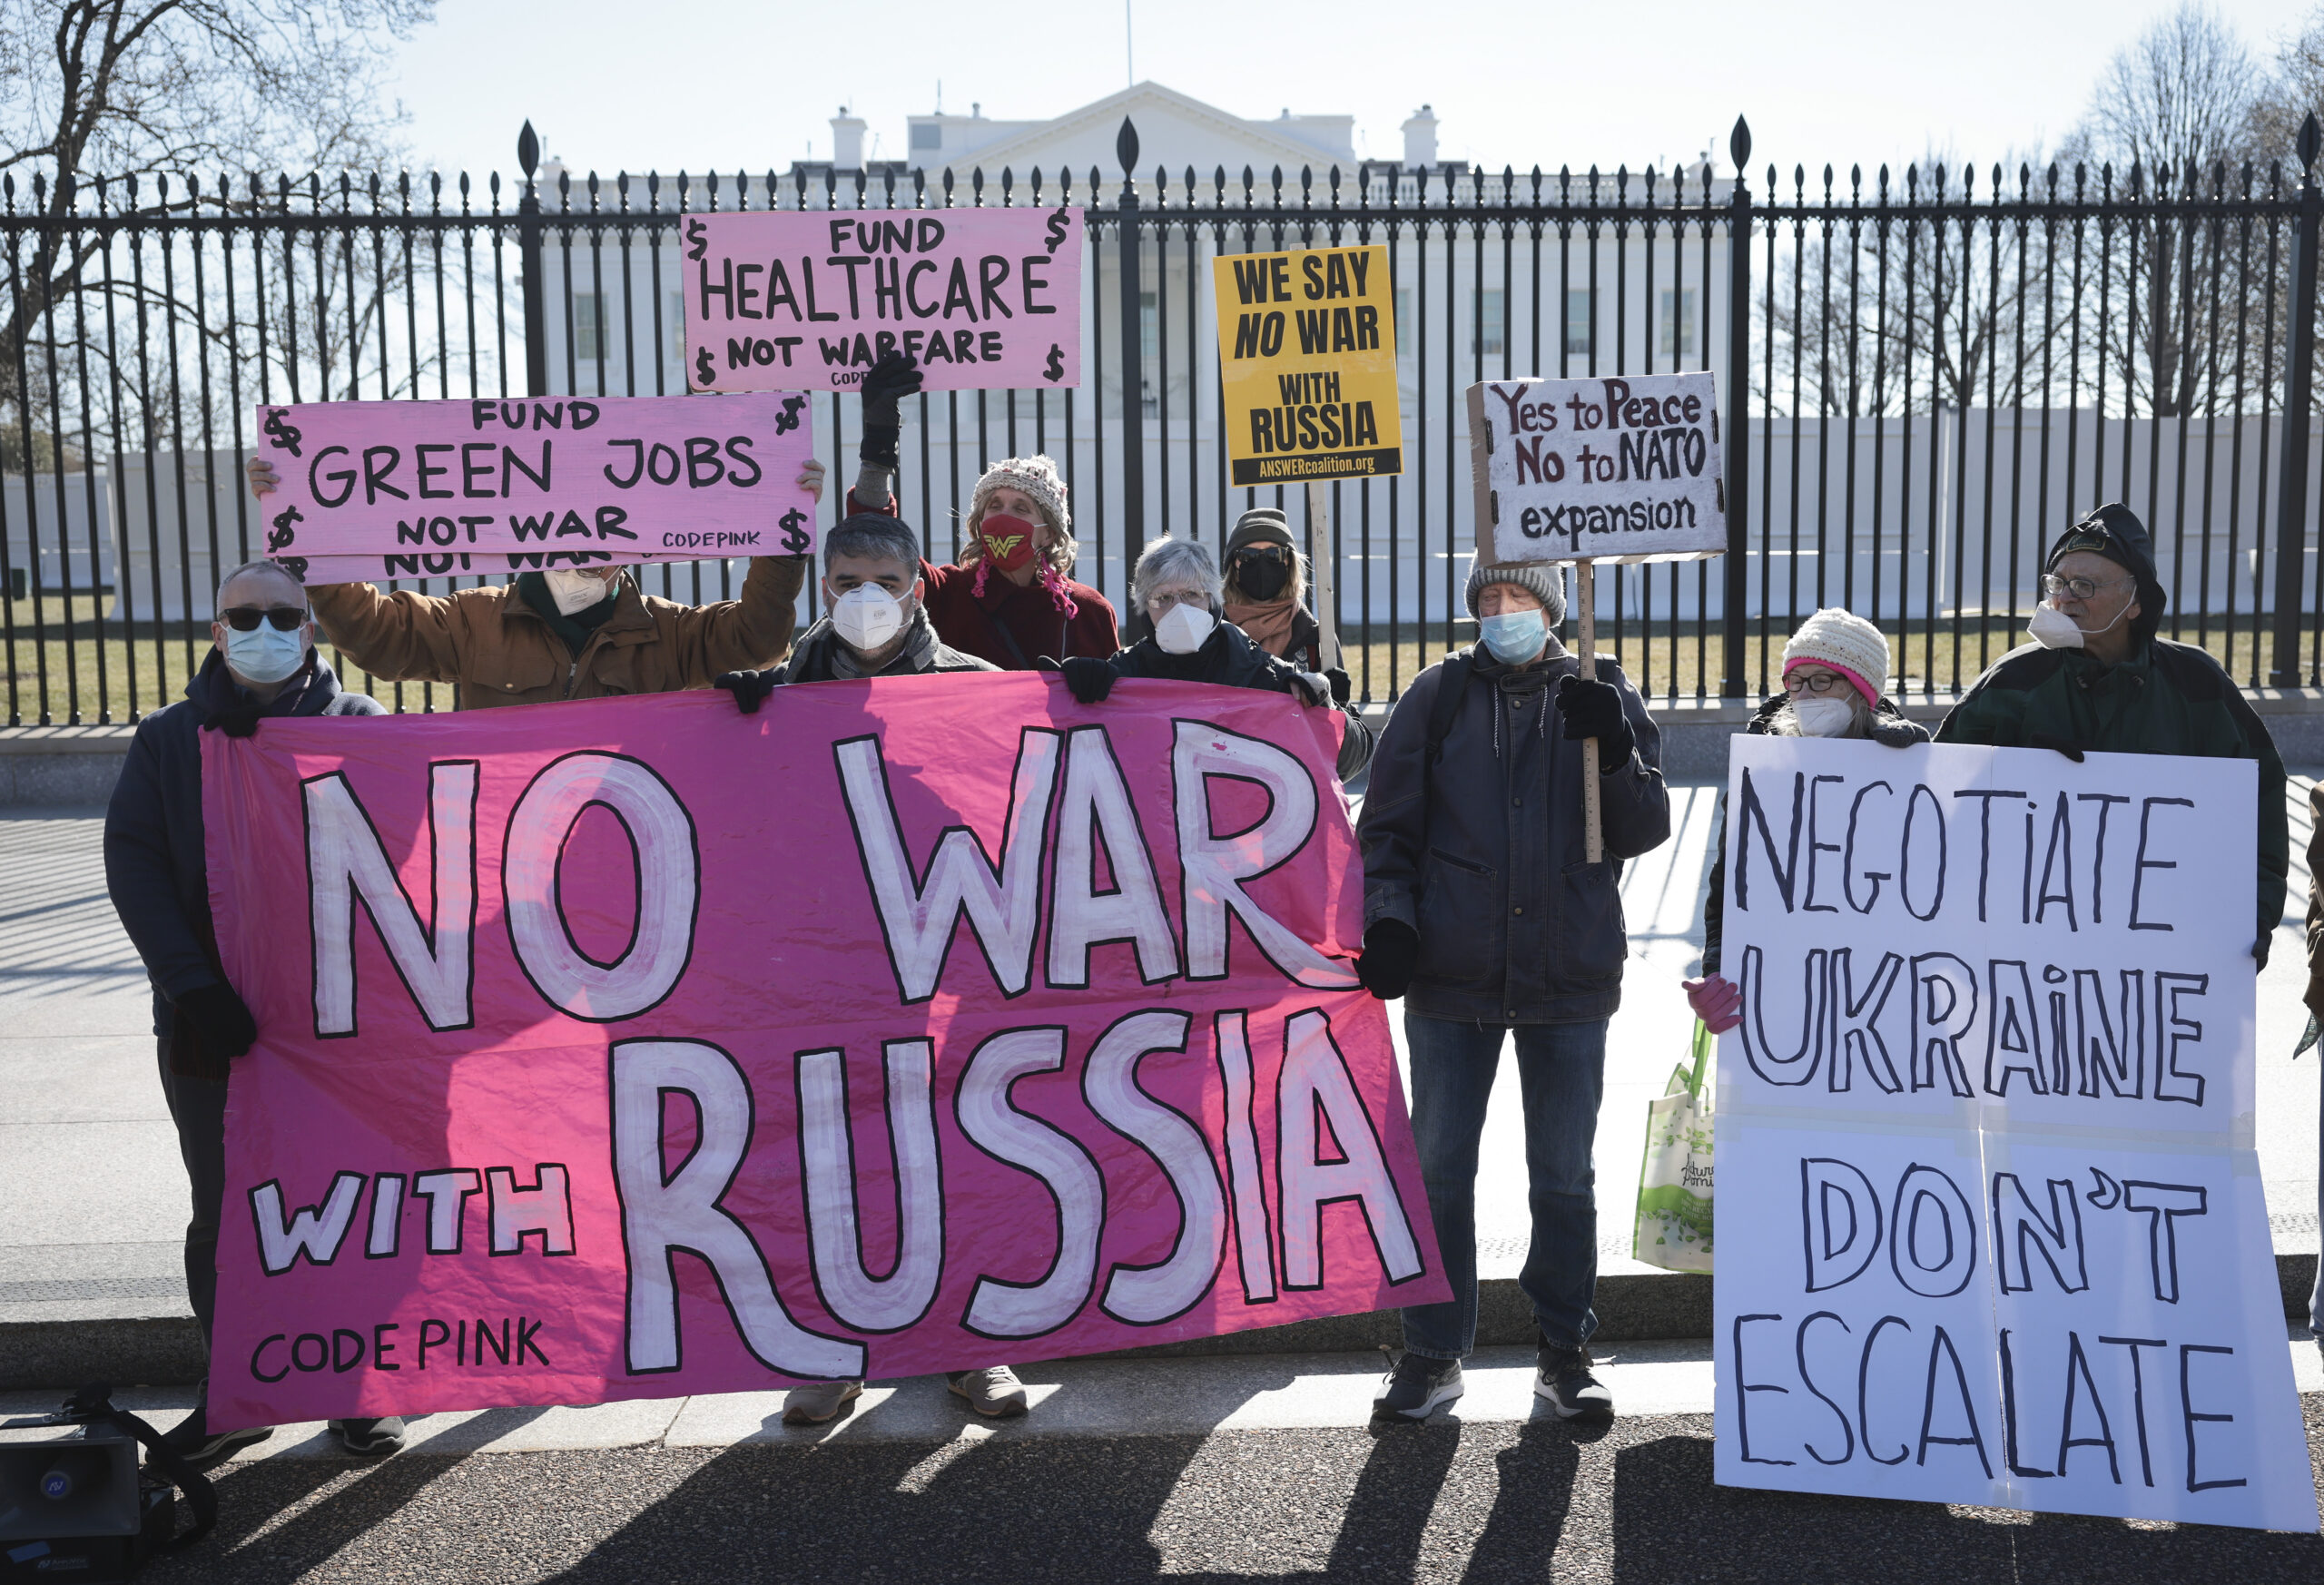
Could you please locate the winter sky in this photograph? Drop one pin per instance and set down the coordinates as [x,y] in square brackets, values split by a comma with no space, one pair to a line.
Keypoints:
[698,83]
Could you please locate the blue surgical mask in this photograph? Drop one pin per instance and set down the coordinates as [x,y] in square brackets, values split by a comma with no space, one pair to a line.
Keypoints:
[265,654]
[1515,636]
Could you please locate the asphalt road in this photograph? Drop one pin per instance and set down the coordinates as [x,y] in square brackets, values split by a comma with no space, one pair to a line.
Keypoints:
[1444,1502]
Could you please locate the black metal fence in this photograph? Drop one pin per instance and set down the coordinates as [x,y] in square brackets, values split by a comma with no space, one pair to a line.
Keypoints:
[1925,373]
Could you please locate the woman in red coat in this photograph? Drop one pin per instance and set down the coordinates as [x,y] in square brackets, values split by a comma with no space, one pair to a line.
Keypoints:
[1009,599]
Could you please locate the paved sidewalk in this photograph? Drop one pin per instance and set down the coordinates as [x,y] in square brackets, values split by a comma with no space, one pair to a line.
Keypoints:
[92,1195]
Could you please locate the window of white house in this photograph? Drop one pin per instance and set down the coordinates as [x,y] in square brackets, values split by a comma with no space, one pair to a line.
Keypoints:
[1580,321]
[589,330]
[1491,327]
[1678,323]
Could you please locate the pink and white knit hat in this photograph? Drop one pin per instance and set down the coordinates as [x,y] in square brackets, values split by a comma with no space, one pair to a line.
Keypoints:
[1848,644]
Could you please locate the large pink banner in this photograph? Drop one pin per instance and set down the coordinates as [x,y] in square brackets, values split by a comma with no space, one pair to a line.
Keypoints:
[808,300]
[419,489]
[640,1047]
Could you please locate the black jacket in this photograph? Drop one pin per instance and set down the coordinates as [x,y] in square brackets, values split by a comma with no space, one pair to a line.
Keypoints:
[154,867]
[1482,852]
[1229,659]
[1891,721]
[811,660]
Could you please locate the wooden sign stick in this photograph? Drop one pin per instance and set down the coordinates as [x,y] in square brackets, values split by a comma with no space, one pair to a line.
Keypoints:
[1321,567]
[1593,835]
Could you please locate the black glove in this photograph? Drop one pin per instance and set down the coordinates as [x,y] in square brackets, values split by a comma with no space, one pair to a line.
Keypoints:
[1595,710]
[2044,740]
[894,377]
[1897,734]
[1391,952]
[1341,687]
[222,1024]
[750,688]
[1091,678]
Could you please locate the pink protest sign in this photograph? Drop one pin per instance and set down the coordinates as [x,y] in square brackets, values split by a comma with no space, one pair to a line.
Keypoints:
[792,299]
[1009,1029]
[412,490]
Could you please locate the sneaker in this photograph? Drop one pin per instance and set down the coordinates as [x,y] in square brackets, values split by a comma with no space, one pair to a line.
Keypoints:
[193,1439]
[818,1401]
[995,1391]
[1565,1379]
[1417,1385]
[371,1439]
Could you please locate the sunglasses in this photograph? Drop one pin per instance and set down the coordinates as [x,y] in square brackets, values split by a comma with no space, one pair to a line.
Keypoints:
[246,618]
[1269,553]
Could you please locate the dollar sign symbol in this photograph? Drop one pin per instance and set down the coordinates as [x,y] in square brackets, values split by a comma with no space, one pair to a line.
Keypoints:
[703,370]
[697,239]
[1060,223]
[794,534]
[1055,367]
[284,437]
[788,420]
[283,534]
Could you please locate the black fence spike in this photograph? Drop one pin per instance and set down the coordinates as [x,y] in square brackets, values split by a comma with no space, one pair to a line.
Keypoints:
[1125,149]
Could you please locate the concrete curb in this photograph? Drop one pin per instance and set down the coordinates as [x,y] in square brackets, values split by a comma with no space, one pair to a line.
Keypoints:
[166,1350]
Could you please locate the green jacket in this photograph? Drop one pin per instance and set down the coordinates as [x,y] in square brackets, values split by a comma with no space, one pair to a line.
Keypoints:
[2172,699]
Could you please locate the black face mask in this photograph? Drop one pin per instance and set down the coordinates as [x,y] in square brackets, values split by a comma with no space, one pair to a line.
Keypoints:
[1262,578]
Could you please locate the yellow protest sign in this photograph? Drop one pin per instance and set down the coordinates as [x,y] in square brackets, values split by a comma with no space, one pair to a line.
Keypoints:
[1308,363]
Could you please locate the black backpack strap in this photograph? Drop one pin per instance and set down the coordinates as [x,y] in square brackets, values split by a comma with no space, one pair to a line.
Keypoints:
[1452,685]
[92,1405]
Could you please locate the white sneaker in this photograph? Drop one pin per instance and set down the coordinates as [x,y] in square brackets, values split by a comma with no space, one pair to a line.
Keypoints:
[818,1401]
[995,1391]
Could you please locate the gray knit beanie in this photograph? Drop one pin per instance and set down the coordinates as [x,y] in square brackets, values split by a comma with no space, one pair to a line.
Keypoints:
[1545,581]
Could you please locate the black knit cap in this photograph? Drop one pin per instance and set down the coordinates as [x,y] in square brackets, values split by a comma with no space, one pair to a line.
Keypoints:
[2114,532]
[1260,525]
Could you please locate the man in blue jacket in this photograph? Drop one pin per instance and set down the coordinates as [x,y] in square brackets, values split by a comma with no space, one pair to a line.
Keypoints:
[1482,913]
[262,664]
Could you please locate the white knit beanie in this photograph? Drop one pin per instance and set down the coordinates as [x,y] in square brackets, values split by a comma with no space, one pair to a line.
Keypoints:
[1847,643]
[1036,476]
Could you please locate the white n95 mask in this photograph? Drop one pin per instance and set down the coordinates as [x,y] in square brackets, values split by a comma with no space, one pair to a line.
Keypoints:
[1824,717]
[867,616]
[1183,630]
[576,592]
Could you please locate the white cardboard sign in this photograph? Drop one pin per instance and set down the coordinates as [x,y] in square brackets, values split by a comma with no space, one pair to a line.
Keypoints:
[1991,1222]
[1614,469]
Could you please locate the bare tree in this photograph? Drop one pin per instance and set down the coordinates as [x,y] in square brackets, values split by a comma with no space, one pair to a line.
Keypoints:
[2172,114]
[135,90]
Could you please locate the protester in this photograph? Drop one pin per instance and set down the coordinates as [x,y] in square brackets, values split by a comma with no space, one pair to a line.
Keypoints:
[1267,594]
[1482,911]
[877,627]
[1177,586]
[261,664]
[1834,682]
[2097,679]
[577,632]
[1008,597]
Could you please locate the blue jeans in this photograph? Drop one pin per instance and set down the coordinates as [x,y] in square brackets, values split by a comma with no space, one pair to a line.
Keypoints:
[1561,1068]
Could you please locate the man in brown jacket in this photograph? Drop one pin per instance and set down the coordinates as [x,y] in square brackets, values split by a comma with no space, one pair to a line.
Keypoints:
[581,633]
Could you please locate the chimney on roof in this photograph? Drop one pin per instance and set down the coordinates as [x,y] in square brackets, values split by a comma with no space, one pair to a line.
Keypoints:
[847,141]
[1420,139]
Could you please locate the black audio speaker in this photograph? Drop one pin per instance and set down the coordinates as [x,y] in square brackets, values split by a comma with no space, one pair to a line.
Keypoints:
[73,1505]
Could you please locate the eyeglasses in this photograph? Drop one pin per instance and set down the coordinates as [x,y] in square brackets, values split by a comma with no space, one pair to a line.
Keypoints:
[1164,599]
[1263,553]
[1813,682]
[246,618]
[2076,588]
